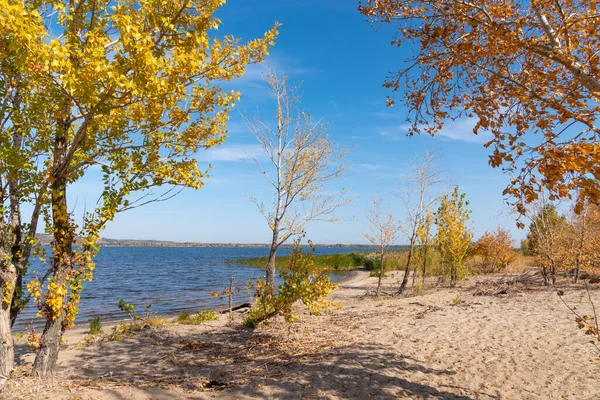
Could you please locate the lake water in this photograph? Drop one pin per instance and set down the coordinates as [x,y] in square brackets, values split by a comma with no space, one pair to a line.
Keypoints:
[172,279]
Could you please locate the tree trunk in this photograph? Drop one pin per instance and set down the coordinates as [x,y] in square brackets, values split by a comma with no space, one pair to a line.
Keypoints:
[45,360]
[7,351]
[453,276]
[545,276]
[577,264]
[425,251]
[414,278]
[381,259]
[270,270]
[407,269]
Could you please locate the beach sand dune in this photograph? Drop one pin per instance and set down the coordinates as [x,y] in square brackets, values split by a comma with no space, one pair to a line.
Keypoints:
[460,343]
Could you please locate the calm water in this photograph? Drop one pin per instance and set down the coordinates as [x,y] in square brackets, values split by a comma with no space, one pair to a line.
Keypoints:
[172,279]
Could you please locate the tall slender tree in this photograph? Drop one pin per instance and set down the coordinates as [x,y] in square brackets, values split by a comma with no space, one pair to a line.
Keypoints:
[301,160]
[454,234]
[383,233]
[418,200]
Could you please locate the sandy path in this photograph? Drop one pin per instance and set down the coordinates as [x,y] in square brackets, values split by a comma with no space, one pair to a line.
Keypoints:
[523,345]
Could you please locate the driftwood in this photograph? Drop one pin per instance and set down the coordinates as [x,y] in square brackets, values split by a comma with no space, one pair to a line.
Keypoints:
[236,308]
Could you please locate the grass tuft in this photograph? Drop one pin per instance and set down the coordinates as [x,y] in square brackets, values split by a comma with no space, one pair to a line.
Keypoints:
[200,317]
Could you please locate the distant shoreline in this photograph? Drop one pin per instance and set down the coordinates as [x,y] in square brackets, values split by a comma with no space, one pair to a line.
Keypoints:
[178,244]
[45,240]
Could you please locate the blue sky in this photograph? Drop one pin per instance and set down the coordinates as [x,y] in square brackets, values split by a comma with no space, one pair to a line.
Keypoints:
[342,61]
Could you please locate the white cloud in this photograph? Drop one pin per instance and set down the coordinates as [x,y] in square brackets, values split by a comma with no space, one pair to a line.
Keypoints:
[236,152]
[462,129]
[252,83]
[378,167]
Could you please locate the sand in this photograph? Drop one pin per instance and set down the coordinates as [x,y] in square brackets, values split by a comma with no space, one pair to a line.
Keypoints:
[460,343]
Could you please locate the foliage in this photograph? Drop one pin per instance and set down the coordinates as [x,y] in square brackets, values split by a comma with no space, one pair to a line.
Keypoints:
[525,71]
[130,87]
[302,281]
[95,326]
[33,340]
[200,317]
[426,250]
[333,262]
[302,159]
[457,300]
[418,202]
[126,329]
[130,308]
[453,234]
[545,237]
[496,250]
[588,323]
[581,240]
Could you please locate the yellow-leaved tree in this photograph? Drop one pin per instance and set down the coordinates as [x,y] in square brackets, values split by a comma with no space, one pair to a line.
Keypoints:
[454,234]
[526,71]
[130,87]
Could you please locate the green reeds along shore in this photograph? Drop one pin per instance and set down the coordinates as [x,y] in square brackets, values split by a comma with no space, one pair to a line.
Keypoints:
[335,262]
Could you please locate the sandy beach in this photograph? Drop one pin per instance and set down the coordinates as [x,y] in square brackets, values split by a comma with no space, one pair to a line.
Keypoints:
[485,339]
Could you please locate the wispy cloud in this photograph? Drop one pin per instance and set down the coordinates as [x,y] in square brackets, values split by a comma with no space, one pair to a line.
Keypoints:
[253,80]
[394,132]
[378,167]
[462,129]
[236,152]
[389,113]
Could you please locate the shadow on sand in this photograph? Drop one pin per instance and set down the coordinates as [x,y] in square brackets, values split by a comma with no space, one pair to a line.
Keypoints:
[241,363]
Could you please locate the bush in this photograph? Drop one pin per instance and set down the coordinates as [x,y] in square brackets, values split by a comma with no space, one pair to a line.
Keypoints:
[302,281]
[129,308]
[95,326]
[200,317]
[494,251]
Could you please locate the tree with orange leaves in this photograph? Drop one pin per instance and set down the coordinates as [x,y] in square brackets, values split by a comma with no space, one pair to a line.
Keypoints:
[580,242]
[496,250]
[526,71]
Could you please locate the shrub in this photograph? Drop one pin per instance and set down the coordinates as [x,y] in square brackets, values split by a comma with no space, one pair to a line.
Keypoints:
[95,326]
[129,308]
[456,301]
[302,281]
[495,251]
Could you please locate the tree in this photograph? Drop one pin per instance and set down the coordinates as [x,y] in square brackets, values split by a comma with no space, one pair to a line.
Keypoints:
[453,233]
[425,176]
[425,239]
[384,229]
[544,238]
[496,250]
[526,71]
[20,181]
[129,87]
[581,239]
[301,160]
